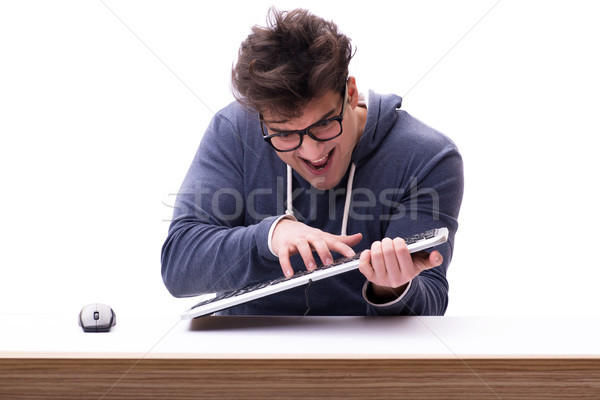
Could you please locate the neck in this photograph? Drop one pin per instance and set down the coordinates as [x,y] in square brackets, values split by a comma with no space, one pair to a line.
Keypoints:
[361,120]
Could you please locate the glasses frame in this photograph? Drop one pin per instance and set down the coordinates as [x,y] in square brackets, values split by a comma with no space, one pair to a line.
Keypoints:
[306,131]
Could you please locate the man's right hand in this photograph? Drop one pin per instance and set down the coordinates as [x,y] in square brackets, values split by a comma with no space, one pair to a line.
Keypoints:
[293,237]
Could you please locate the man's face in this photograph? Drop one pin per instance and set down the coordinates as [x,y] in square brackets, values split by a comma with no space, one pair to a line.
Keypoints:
[322,164]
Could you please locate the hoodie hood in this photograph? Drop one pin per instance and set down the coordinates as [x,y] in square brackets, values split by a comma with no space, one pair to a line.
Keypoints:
[381,116]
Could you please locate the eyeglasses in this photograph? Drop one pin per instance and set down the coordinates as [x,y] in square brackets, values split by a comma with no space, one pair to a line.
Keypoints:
[321,131]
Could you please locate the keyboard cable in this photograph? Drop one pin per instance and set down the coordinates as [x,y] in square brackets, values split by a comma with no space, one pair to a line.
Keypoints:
[306,298]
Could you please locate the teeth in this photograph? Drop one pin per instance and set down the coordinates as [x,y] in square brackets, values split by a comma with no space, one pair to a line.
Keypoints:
[320,159]
[319,164]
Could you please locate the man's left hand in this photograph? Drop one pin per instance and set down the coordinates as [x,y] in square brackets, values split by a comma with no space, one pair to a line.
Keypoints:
[389,266]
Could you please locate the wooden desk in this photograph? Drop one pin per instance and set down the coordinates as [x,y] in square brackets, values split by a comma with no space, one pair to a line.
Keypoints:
[309,357]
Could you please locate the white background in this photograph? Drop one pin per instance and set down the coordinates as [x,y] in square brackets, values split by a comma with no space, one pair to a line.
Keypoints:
[103,104]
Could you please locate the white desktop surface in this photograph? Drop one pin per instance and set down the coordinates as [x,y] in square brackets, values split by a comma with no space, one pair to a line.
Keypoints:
[302,337]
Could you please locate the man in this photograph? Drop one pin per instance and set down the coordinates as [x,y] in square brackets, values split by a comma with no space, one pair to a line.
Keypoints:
[301,170]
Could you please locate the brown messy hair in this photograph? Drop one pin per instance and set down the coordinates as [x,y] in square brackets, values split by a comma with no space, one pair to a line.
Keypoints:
[297,57]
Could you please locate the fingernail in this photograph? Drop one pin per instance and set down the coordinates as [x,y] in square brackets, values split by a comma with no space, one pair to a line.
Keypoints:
[328,261]
[289,273]
[311,266]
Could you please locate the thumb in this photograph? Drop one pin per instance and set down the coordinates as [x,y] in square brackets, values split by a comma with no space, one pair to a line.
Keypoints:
[429,261]
[352,240]
[436,259]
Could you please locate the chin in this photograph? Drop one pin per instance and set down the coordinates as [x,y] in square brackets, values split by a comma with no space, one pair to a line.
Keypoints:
[322,183]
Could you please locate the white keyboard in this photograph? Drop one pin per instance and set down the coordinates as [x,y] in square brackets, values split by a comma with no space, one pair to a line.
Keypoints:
[232,298]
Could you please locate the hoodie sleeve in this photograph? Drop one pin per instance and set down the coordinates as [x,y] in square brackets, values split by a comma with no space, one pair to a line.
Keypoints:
[430,199]
[209,248]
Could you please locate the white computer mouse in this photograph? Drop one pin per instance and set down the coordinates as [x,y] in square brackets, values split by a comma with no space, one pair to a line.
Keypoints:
[97,317]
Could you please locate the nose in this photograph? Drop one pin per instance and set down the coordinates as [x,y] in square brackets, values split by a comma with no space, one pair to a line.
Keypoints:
[311,149]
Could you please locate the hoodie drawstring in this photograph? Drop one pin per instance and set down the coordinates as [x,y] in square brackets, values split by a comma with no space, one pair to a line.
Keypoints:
[290,211]
[348,199]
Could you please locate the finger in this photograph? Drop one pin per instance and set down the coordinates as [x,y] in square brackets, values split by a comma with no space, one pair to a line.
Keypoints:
[389,254]
[284,261]
[323,252]
[364,265]
[395,272]
[342,244]
[404,259]
[306,254]
[340,247]
[377,261]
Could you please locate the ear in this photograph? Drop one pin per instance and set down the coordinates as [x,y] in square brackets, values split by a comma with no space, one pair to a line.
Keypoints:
[352,91]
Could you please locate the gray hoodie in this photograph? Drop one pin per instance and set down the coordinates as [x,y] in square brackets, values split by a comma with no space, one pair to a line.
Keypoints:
[408,179]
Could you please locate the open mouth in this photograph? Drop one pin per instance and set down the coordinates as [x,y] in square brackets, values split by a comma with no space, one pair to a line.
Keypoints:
[320,165]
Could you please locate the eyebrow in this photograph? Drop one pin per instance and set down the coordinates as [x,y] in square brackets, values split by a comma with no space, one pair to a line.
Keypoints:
[323,117]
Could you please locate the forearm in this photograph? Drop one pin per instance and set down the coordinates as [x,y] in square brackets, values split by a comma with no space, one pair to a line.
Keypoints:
[427,294]
[199,258]
[384,294]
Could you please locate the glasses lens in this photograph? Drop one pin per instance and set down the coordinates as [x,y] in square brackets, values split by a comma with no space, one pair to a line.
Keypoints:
[288,141]
[326,130]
